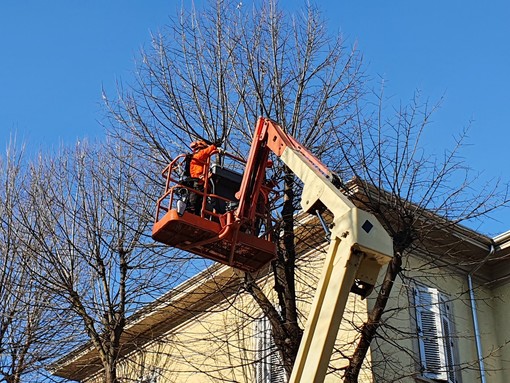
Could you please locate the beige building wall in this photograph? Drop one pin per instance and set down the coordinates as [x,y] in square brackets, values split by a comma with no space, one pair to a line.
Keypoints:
[399,353]
[212,346]
[218,344]
[494,317]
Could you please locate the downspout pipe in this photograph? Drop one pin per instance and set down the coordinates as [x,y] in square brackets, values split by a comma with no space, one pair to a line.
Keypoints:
[474,313]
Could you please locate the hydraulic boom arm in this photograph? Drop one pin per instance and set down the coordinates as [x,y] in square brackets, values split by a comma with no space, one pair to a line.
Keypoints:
[359,244]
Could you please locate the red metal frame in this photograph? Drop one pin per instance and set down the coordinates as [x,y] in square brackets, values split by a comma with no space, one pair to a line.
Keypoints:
[227,238]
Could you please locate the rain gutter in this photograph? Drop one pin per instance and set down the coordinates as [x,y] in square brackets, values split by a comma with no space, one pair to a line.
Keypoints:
[475,314]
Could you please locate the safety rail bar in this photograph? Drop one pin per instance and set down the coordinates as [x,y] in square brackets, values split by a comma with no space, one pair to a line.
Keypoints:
[172,183]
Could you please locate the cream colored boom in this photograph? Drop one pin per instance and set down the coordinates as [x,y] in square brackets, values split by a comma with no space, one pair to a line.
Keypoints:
[359,247]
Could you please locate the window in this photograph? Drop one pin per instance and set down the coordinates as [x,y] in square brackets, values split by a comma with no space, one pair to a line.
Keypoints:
[149,378]
[435,337]
[268,363]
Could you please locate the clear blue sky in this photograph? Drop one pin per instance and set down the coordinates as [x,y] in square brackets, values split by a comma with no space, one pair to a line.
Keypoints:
[57,55]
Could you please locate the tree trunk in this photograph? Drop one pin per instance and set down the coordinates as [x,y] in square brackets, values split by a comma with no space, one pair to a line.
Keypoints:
[284,322]
[369,329]
[110,373]
[285,280]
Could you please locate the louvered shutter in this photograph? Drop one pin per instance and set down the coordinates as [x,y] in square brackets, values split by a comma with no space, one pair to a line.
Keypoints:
[268,363]
[261,365]
[152,378]
[277,371]
[434,334]
[447,327]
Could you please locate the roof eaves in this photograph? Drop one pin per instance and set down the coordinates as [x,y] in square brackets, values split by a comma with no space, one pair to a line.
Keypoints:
[139,321]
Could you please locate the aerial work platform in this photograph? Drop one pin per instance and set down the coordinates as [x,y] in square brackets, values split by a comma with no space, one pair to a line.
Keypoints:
[212,231]
[205,238]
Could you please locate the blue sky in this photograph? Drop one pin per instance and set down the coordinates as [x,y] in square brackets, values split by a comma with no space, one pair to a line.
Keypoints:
[57,56]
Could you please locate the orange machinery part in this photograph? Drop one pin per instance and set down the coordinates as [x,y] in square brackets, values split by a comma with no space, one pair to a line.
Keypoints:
[204,238]
[227,238]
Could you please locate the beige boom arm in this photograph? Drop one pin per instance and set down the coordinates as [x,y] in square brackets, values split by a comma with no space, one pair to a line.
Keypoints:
[359,247]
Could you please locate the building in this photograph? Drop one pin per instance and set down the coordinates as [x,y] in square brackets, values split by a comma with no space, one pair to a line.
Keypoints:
[445,321]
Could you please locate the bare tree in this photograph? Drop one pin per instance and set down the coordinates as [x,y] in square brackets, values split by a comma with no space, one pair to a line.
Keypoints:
[414,193]
[27,330]
[86,222]
[212,72]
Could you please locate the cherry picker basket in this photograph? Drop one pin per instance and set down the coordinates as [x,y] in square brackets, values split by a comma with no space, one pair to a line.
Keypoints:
[198,215]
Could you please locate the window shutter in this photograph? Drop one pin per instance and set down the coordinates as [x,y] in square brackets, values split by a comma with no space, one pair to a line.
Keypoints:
[261,365]
[277,371]
[152,378]
[446,320]
[434,334]
[268,363]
